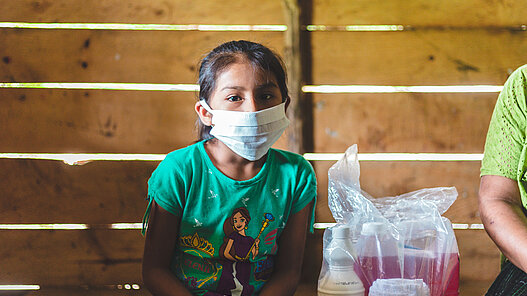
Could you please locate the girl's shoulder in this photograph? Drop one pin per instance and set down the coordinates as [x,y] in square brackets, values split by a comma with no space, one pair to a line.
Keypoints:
[287,157]
[181,158]
[184,154]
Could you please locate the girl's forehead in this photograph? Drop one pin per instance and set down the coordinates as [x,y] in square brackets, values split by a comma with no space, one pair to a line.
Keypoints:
[245,71]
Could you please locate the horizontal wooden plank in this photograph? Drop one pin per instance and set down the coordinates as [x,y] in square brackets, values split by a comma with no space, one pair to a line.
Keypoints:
[97,121]
[453,123]
[416,57]
[112,56]
[381,179]
[470,13]
[157,11]
[67,258]
[479,256]
[53,192]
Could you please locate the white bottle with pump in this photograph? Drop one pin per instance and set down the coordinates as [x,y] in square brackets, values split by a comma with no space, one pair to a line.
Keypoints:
[340,278]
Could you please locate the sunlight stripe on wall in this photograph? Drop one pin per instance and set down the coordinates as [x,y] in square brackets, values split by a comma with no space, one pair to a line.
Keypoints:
[399,156]
[137,226]
[43,226]
[142,27]
[102,86]
[356,28]
[456,226]
[83,158]
[401,89]
[306,88]
[70,226]
[19,287]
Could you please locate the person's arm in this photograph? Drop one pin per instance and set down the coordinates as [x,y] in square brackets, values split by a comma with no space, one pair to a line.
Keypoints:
[160,241]
[227,252]
[500,209]
[288,262]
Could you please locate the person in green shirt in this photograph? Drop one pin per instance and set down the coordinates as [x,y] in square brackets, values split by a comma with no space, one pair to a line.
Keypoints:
[502,193]
[228,215]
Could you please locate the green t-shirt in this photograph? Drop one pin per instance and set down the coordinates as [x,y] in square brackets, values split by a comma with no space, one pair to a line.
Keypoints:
[229,229]
[506,147]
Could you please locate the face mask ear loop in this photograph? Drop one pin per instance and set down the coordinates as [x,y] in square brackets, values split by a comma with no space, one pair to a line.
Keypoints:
[206,106]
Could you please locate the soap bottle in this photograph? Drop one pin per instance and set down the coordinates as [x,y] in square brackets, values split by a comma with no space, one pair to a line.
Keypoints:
[340,277]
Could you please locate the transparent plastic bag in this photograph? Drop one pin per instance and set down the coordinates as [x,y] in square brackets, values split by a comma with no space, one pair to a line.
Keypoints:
[393,237]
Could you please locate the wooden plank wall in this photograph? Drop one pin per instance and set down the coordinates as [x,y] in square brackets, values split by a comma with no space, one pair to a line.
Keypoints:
[451,43]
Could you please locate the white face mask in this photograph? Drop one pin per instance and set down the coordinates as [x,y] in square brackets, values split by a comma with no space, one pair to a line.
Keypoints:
[248,134]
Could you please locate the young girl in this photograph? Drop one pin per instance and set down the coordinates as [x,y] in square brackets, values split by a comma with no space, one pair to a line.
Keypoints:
[201,198]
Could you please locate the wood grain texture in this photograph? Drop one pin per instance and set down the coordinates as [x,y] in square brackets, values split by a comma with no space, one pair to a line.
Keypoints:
[112,56]
[448,57]
[95,121]
[470,13]
[157,11]
[52,192]
[448,123]
[68,258]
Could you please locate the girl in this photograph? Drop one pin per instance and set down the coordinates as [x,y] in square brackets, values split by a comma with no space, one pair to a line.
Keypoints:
[195,190]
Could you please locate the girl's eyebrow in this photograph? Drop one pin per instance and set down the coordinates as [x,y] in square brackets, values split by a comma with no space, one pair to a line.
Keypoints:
[233,87]
[269,84]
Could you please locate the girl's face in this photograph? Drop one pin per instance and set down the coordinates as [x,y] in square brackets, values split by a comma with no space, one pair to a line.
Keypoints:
[239,222]
[241,87]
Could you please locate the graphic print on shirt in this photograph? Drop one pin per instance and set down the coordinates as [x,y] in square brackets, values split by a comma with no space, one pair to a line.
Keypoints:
[204,266]
[238,249]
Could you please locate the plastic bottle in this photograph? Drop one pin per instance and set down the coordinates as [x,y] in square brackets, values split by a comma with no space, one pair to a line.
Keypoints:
[340,278]
[428,255]
[377,254]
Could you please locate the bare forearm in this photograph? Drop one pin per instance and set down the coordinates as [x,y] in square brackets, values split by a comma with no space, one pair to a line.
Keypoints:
[162,282]
[507,226]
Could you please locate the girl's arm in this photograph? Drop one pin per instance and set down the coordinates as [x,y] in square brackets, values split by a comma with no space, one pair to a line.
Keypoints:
[161,238]
[288,260]
[501,212]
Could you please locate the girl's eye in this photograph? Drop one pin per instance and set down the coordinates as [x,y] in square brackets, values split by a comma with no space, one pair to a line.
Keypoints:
[267,96]
[234,98]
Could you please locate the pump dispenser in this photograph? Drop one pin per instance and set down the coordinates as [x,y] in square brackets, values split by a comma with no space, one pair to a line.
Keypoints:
[340,278]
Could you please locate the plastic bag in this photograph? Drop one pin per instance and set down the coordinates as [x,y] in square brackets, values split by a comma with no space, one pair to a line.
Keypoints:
[393,237]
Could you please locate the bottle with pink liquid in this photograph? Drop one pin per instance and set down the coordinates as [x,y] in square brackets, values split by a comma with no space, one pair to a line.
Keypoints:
[378,254]
[431,256]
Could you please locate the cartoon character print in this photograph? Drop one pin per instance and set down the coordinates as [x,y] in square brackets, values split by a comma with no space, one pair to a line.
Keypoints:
[236,250]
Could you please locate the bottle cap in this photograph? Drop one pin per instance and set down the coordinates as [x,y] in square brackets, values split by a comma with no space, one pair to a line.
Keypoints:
[341,232]
[372,228]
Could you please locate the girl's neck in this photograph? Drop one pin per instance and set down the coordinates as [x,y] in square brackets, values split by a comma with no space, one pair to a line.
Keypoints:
[231,164]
